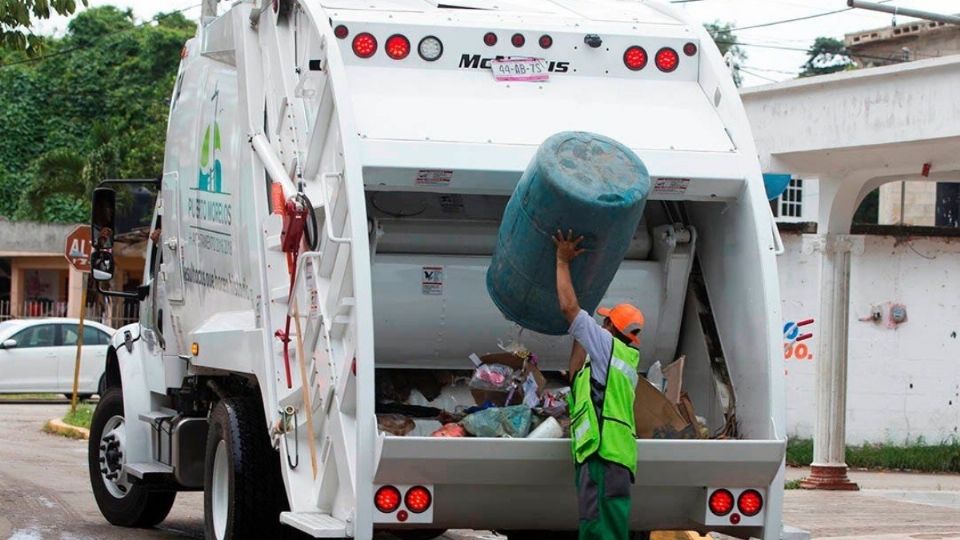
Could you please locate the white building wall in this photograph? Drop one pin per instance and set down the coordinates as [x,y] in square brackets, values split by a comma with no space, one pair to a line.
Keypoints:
[904,380]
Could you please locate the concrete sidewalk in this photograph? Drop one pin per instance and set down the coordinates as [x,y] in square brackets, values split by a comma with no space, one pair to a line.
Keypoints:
[889,506]
[892,480]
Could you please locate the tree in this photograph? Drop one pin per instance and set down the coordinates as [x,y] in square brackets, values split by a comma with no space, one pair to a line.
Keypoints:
[93,107]
[17,16]
[727,42]
[826,55]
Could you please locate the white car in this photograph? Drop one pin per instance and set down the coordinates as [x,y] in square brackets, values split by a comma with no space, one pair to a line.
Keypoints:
[38,355]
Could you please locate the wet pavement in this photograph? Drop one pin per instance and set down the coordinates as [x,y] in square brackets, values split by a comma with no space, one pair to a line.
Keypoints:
[45,495]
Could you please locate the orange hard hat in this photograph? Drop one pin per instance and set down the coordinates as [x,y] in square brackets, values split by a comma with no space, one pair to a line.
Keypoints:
[625,318]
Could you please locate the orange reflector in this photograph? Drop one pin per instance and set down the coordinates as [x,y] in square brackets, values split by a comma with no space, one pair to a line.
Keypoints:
[276,198]
[195,349]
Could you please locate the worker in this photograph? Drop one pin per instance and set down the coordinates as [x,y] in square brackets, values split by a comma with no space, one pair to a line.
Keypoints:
[603,374]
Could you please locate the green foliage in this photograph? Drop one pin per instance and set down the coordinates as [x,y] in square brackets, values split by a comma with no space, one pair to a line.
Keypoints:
[826,55]
[799,452]
[914,456]
[94,107]
[792,484]
[726,40]
[16,17]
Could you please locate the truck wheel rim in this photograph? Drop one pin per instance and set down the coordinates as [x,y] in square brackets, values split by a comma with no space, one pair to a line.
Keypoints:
[221,490]
[113,441]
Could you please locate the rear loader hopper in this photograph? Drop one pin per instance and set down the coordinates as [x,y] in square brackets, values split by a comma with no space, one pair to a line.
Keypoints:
[334,180]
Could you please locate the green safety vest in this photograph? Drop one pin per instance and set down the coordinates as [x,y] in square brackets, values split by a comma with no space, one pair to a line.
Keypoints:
[613,436]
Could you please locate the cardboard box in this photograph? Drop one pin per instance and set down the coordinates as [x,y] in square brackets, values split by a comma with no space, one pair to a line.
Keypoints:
[657,418]
[517,363]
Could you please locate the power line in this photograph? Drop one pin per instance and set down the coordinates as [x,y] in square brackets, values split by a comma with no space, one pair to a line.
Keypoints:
[757,75]
[755,68]
[844,52]
[63,52]
[795,19]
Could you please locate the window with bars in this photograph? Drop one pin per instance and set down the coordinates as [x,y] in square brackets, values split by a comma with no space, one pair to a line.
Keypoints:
[790,203]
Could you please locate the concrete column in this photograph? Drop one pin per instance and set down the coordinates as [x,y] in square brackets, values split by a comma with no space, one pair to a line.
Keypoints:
[16,288]
[76,281]
[829,468]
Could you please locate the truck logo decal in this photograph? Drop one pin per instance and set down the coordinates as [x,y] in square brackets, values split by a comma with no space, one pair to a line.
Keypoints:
[211,172]
[476,61]
[209,205]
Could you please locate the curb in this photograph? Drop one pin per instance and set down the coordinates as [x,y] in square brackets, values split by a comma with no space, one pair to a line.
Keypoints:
[58,427]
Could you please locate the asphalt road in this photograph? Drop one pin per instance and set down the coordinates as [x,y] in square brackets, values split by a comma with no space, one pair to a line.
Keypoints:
[45,495]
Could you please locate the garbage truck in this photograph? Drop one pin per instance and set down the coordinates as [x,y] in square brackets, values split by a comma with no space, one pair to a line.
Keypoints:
[334,177]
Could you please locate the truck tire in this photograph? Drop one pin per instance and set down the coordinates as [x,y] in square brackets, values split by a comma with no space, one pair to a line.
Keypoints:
[123,503]
[243,491]
[102,385]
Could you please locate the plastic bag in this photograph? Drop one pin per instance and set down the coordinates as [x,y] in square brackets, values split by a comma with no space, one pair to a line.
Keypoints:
[450,430]
[395,424]
[555,402]
[499,422]
[492,377]
[530,387]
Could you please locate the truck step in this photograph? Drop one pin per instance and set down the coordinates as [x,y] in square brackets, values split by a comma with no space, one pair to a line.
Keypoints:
[153,416]
[148,471]
[315,524]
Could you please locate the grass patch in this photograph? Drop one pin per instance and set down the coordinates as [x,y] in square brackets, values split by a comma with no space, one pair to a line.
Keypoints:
[916,456]
[792,484]
[81,417]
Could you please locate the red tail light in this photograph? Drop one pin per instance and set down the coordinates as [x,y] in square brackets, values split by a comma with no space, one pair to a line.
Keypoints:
[397,47]
[341,31]
[490,39]
[518,40]
[546,41]
[364,45]
[690,49]
[418,499]
[667,59]
[721,502]
[635,58]
[750,502]
[387,499]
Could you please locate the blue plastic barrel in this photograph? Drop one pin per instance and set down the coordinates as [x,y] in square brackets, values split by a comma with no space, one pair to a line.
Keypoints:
[581,181]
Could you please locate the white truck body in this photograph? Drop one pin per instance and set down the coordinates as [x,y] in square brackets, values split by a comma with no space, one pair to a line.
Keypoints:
[408,164]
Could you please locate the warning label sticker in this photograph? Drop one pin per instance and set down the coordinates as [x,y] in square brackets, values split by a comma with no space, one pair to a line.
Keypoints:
[670,185]
[432,280]
[433,177]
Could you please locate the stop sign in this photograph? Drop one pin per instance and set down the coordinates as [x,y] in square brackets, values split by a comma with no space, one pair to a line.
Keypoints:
[78,248]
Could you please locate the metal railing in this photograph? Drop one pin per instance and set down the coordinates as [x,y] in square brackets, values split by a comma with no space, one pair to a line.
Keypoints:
[115,314]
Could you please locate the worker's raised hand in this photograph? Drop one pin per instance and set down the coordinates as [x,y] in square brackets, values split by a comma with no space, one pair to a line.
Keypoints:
[567,249]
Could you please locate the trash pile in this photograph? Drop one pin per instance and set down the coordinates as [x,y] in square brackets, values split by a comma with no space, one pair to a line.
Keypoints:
[506,395]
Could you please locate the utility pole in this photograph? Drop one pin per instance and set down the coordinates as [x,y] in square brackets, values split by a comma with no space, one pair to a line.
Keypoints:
[907,12]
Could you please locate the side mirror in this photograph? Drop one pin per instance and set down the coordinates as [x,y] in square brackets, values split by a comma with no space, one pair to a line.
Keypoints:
[9,344]
[104,210]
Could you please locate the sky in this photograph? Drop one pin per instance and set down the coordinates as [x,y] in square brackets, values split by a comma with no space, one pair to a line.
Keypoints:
[763,64]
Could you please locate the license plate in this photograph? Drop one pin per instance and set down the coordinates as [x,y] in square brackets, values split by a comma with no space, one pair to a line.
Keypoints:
[520,69]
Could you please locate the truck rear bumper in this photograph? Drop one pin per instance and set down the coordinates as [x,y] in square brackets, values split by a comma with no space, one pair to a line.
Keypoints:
[529,484]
